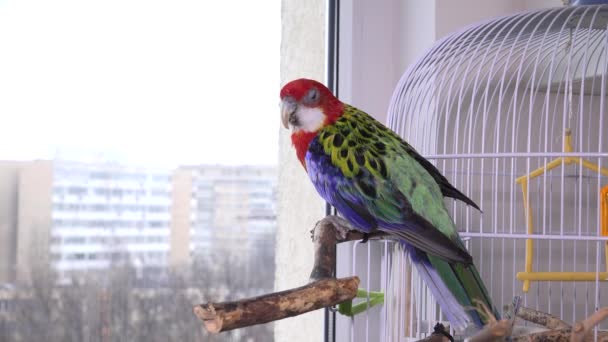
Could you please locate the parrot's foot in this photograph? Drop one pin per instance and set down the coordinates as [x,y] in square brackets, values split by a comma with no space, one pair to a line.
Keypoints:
[371,299]
[484,311]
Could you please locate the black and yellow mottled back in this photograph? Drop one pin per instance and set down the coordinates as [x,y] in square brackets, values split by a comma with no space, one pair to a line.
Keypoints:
[379,181]
[358,140]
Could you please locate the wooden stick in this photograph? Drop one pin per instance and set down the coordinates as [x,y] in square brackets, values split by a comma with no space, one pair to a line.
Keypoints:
[323,291]
[541,318]
[344,231]
[324,238]
[560,330]
[557,335]
[328,232]
[494,331]
[583,328]
[219,317]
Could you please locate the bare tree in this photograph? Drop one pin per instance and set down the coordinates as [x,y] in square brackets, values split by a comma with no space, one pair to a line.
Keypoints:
[120,304]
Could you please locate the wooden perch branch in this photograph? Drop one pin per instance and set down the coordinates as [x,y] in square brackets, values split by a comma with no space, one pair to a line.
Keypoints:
[559,335]
[324,238]
[560,330]
[541,318]
[271,307]
[495,331]
[323,291]
[344,231]
[327,233]
[582,329]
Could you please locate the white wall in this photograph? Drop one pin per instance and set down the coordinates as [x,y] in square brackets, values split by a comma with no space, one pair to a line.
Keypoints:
[380,39]
[452,15]
[299,206]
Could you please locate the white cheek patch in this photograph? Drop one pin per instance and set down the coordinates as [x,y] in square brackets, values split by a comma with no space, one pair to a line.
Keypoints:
[310,119]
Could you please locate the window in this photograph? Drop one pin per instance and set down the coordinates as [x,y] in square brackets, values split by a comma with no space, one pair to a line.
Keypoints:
[104,171]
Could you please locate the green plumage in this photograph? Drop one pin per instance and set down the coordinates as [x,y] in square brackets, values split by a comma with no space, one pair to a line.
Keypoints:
[386,171]
[378,181]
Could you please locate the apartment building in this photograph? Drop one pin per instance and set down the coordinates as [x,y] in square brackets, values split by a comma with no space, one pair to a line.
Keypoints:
[227,209]
[81,216]
[86,216]
[104,213]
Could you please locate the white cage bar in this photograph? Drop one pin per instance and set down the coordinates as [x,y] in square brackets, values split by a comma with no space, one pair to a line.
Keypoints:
[492,106]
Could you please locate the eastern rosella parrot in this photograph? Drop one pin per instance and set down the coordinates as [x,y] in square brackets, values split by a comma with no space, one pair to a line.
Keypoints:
[377,181]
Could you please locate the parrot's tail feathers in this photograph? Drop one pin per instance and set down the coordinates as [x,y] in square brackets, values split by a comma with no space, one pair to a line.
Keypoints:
[457,288]
[454,312]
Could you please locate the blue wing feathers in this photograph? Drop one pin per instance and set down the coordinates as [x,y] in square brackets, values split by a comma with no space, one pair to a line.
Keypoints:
[354,204]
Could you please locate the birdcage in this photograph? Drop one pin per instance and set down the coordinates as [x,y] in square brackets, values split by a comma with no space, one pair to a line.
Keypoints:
[513,112]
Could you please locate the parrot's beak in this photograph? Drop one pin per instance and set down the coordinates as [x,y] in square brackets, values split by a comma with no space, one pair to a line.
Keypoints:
[288,107]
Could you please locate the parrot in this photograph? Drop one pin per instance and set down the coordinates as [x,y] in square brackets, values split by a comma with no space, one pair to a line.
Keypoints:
[379,182]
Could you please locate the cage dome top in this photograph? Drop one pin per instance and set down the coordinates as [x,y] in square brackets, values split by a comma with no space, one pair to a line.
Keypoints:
[488,87]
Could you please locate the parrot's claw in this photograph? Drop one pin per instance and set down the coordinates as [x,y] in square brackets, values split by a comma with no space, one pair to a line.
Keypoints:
[365,238]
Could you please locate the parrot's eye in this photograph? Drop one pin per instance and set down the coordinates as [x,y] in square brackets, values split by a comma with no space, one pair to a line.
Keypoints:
[312,97]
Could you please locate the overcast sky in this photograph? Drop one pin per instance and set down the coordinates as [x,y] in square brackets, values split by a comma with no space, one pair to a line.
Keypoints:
[157,83]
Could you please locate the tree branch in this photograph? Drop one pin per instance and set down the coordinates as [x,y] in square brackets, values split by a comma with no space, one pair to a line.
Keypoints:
[541,318]
[495,331]
[324,238]
[557,335]
[219,317]
[582,329]
[328,232]
[323,291]
[560,330]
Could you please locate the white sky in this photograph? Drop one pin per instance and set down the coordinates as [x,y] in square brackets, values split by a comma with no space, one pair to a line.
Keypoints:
[156,83]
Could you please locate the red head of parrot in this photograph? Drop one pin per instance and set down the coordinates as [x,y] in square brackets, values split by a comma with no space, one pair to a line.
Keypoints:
[306,107]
